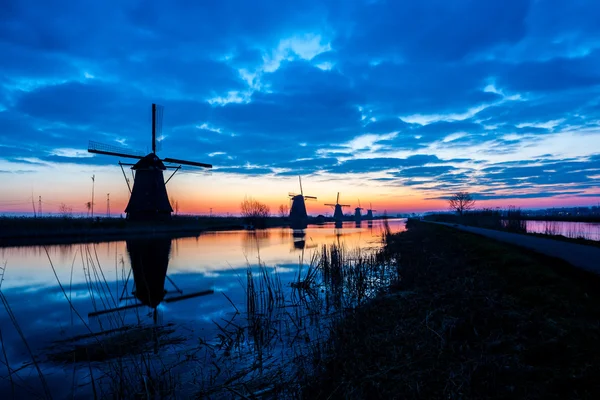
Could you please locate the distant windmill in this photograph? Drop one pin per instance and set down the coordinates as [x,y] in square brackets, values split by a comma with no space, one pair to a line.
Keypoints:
[149,199]
[298,215]
[370,211]
[338,214]
[357,214]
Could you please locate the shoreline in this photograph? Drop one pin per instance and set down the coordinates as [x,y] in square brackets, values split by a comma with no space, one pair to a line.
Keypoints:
[21,232]
[107,235]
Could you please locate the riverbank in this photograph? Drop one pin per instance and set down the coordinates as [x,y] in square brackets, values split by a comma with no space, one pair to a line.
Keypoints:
[28,231]
[60,230]
[471,318]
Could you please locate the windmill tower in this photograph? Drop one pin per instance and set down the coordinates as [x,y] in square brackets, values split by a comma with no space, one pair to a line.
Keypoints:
[357,213]
[370,210]
[338,214]
[298,215]
[149,199]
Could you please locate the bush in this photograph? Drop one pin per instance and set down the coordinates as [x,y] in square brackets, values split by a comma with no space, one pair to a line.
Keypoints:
[254,212]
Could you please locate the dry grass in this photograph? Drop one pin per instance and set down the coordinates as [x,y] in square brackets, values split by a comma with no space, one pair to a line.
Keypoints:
[471,318]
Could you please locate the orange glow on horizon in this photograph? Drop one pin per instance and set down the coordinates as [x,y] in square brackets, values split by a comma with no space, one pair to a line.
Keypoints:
[198,193]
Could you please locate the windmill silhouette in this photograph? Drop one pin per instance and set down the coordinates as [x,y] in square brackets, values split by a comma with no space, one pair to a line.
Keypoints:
[149,199]
[298,215]
[338,215]
[370,210]
[357,213]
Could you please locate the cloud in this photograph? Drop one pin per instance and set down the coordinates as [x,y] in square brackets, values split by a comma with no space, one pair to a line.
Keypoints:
[432,29]
[423,96]
[381,164]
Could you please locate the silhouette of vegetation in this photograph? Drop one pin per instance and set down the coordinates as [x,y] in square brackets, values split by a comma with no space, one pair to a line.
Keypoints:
[66,211]
[461,202]
[472,318]
[284,211]
[254,212]
[514,221]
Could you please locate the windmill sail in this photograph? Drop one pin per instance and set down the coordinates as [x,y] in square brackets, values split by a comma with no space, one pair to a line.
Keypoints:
[101,148]
[184,162]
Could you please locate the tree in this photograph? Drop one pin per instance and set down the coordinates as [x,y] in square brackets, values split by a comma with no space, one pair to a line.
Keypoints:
[461,202]
[65,210]
[254,212]
[284,211]
[88,205]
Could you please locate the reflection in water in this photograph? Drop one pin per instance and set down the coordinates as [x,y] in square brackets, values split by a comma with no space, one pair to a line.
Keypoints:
[94,277]
[358,223]
[149,259]
[299,237]
[149,263]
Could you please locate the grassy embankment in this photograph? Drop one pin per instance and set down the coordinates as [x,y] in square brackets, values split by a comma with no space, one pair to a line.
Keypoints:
[471,318]
[51,230]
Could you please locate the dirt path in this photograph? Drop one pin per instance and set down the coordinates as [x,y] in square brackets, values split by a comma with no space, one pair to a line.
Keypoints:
[581,256]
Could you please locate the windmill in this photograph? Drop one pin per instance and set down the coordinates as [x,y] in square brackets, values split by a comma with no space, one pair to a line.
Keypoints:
[338,215]
[298,215]
[357,214]
[149,199]
[149,264]
[370,210]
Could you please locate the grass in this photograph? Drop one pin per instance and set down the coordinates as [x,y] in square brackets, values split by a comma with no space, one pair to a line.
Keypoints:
[470,318]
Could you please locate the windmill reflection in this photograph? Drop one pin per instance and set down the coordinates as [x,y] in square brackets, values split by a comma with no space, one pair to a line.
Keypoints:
[299,239]
[149,263]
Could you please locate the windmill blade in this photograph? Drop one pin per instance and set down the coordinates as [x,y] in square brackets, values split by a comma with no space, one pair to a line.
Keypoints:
[106,149]
[116,309]
[310,198]
[332,205]
[300,180]
[188,296]
[344,205]
[338,198]
[184,162]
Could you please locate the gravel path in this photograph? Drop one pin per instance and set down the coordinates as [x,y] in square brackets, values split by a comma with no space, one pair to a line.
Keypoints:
[578,255]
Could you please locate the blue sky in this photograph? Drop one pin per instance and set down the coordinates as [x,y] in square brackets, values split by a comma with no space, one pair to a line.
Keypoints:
[396,102]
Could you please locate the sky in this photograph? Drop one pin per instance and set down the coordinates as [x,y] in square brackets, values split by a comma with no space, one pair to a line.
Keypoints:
[394,103]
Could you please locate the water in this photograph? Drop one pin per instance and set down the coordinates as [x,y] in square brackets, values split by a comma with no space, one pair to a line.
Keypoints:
[205,284]
[586,230]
